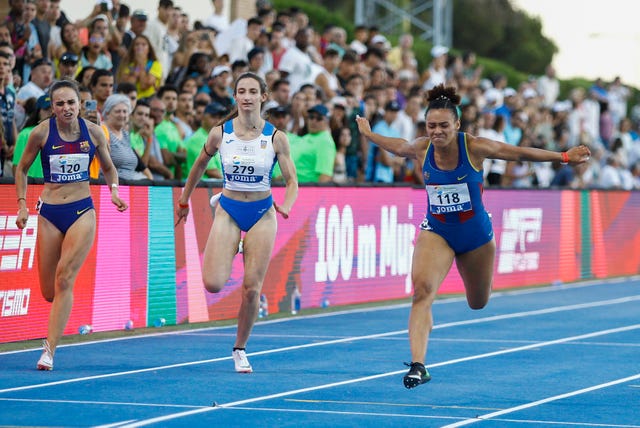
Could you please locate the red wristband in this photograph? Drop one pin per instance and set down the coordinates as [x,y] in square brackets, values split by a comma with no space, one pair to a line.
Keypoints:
[565,157]
[183,205]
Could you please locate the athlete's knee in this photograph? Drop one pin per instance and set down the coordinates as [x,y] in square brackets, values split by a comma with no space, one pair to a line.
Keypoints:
[251,293]
[478,300]
[477,305]
[65,277]
[423,291]
[213,285]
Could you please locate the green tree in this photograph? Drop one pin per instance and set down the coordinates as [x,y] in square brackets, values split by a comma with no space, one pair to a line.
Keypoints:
[494,29]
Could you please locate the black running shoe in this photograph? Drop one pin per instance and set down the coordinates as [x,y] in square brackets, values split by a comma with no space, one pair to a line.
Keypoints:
[417,375]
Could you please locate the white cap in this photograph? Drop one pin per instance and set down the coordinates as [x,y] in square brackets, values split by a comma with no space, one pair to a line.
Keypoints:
[492,95]
[100,16]
[509,92]
[339,101]
[438,51]
[378,38]
[529,93]
[219,69]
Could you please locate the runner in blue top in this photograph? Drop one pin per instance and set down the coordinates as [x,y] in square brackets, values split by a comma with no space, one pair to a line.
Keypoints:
[249,146]
[67,221]
[456,226]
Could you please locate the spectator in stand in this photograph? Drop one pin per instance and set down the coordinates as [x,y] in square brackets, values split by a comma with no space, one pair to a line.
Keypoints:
[240,46]
[41,24]
[41,78]
[360,40]
[101,87]
[128,89]
[279,94]
[137,26]
[213,113]
[141,67]
[168,133]
[617,96]
[184,114]
[408,117]
[219,86]
[296,64]
[255,61]
[584,118]
[610,177]
[340,165]
[275,48]
[8,128]
[68,66]
[548,87]
[315,153]
[20,32]
[493,128]
[34,49]
[93,54]
[156,32]
[218,20]
[436,74]
[382,165]
[606,124]
[403,53]
[41,110]
[326,78]
[145,143]
[116,113]
[346,69]
[173,37]
[69,42]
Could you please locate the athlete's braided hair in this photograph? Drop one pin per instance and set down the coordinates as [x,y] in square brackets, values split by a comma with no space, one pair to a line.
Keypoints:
[441,97]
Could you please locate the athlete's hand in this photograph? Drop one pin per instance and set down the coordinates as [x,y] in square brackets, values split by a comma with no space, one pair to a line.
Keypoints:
[363,125]
[182,211]
[284,212]
[578,154]
[119,203]
[23,216]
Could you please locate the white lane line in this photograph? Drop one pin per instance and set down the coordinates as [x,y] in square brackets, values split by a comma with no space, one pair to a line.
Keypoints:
[336,341]
[418,416]
[165,418]
[100,403]
[453,299]
[543,401]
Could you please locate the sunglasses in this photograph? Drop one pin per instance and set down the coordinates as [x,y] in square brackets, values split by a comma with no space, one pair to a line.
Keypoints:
[315,117]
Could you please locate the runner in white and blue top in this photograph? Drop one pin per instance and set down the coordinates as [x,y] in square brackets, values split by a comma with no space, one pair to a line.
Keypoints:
[249,146]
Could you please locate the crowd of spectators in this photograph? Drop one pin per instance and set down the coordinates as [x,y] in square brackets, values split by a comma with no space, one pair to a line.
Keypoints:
[161,82]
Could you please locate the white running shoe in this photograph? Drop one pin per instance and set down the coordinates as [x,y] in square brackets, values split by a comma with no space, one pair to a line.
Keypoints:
[241,361]
[46,359]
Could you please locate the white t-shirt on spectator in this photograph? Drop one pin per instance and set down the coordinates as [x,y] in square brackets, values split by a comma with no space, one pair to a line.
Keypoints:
[299,66]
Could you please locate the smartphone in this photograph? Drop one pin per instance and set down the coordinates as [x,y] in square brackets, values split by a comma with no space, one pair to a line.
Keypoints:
[91,105]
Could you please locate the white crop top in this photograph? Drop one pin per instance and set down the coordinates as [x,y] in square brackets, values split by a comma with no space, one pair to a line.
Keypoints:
[247,165]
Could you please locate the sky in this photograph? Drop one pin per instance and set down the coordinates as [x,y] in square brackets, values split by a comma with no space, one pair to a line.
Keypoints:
[595,38]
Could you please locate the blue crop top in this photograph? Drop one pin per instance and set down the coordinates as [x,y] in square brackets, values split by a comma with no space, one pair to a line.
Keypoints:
[67,161]
[453,196]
